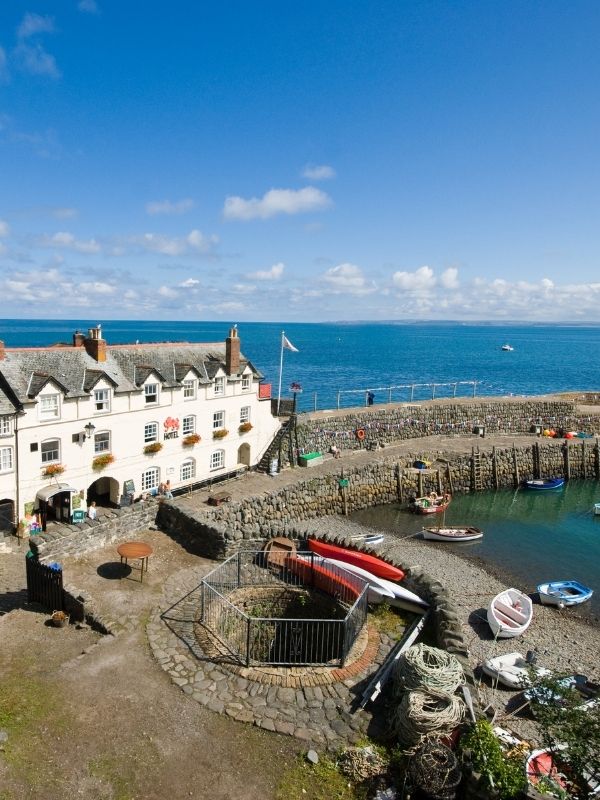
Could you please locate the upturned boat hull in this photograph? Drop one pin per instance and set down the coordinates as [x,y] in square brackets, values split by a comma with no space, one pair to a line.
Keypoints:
[371,563]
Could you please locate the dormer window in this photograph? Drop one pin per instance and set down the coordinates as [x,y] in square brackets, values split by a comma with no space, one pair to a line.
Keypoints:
[151,393]
[220,385]
[189,390]
[246,381]
[49,406]
[102,400]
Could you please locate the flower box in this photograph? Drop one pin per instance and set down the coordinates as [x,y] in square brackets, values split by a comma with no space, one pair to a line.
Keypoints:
[245,427]
[53,469]
[190,440]
[150,449]
[221,433]
[102,461]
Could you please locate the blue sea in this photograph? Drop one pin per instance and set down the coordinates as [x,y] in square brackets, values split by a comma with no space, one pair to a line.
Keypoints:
[533,538]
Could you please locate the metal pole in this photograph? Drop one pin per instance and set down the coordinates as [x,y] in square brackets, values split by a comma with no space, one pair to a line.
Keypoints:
[280,373]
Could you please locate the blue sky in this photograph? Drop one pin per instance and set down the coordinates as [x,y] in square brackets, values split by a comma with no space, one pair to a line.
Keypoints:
[300,161]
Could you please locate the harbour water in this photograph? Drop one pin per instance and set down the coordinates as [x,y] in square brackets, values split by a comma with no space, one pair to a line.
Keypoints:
[530,536]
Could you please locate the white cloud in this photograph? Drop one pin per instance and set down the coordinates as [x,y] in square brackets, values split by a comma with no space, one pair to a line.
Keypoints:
[64,213]
[33,24]
[223,308]
[167,207]
[4,229]
[348,279]
[88,6]
[195,241]
[273,274]
[97,287]
[243,288]
[449,278]
[32,58]
[318,173]
[277,201]
[421,280]
[168,292]
[66,241]
[189,283]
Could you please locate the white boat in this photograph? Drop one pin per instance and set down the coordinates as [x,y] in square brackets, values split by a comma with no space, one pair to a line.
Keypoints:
[507,347]
[371,539]
[513,670]
[463,534]
[564,593]
[597,509]
[510,613]
[389,592]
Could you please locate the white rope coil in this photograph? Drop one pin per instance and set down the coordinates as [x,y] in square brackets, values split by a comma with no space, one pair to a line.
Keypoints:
[423,714]
[429,669]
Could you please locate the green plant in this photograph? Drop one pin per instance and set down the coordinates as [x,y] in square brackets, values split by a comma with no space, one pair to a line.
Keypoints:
[102,461]
[245,427]
[220,433]
[53,469]
[502,772]
[155,447]
[190,440]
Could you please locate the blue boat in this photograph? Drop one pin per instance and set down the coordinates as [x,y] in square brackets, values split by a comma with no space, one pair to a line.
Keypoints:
[545,483]
[564,593]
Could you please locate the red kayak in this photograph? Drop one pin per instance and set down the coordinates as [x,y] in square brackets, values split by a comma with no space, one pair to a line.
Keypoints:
[371,563]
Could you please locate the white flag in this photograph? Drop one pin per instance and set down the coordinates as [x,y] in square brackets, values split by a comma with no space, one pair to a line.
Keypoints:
[289,346]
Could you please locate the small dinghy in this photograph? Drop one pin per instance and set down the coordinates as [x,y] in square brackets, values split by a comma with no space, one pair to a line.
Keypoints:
[584,689]
[372,539]
[510,613]
[545,484]
[433,504]
[564,593]
[513,670]
[597,509]
[466,534]
[373,564]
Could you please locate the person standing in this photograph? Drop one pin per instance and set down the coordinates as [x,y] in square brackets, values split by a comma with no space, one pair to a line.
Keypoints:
[92,512]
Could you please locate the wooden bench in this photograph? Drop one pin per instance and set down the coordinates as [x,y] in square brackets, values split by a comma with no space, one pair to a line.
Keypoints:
[218,498]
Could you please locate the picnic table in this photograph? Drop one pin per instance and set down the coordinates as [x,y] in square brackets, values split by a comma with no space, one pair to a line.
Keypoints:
[139,551]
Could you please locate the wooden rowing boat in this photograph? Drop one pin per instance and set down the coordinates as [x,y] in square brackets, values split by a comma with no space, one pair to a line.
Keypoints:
[367,561]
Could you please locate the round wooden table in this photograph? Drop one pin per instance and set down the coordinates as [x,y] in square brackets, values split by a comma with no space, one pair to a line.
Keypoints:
[136,550]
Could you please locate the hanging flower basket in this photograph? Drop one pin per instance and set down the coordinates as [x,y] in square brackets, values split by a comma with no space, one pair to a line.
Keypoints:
[150,449]
[190,440]
[221,433]
[53,469]
[102,461]
[245,427]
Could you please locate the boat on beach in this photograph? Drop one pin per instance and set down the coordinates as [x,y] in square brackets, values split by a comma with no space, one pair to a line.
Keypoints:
[513,670]
[373,564]
[547,767]
[510,613]
[432,504]
[458,534]
[372,539]
[544,484]
[563,593]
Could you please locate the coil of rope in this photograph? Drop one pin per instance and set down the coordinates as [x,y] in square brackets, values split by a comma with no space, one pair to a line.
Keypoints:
[423,714]
[428,669]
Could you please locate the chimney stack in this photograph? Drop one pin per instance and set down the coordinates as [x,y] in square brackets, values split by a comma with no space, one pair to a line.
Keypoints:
[78,339]
[95,345]
[232,352]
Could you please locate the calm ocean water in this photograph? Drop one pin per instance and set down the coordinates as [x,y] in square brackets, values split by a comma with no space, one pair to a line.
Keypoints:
[535,537]
[352,358]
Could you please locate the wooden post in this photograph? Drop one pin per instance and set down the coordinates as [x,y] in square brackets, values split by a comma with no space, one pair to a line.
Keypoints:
[597,460]
[399,482]
[516,477]
[439,481]
[535,453]
[567,461]
[420,483]
[449,478]
[494,468]
[583,466]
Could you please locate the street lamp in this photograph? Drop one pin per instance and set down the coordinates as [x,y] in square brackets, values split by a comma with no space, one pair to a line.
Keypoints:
[89,430]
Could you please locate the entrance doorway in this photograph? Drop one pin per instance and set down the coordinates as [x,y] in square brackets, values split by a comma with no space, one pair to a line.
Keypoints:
[7,516]
[244,454]
[105,492]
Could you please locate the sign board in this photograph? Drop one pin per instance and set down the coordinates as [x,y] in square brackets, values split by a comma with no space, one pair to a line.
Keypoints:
[78,516]
[343,482]
[128,487]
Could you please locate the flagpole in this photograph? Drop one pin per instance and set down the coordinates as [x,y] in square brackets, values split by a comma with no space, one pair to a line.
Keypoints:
[280,372]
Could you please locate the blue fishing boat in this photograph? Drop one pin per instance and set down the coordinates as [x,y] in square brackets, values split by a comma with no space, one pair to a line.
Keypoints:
[545,483]
[564,593]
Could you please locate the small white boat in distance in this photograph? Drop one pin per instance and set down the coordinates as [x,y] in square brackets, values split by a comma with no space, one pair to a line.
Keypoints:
[597,509]
[372,539]
[507,347]
[513,670]
[464,534]
[564,593]
[510,613]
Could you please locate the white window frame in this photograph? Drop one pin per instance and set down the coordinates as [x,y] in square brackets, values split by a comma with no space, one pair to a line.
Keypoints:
[6,459]
[99,447]
[218,420]
[150,437]
[246,382]
[219,386]
[5,426]
[217,460]
[151,391]
[150,479]
[244,414]
[187,471]
[102,401]
[189,389]
[57,450]
[49,407]
[188,425]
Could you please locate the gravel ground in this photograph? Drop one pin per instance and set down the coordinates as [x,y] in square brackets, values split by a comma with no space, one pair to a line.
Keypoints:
[563,643]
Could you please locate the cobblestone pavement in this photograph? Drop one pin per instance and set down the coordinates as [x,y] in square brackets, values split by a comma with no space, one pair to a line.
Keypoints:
[320,714]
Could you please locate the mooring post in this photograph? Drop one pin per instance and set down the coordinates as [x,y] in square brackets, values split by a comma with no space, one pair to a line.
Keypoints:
[420,483]
[516,477]
[597,460]
[449,477]
[494,468]
[399,482]
[439,481]
[567,461]
[535,451]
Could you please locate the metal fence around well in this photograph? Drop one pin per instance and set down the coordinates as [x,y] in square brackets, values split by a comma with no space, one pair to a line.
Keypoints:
[253,604]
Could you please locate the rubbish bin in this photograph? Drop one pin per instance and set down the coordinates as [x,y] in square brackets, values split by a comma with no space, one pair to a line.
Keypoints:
[274,467]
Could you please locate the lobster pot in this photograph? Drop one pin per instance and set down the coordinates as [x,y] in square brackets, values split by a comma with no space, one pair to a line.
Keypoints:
[434,772]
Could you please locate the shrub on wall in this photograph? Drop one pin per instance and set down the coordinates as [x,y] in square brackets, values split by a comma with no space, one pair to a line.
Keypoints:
[245,427]
[155,447]
[102,461]
[191,440]
[221,433]
[53,469]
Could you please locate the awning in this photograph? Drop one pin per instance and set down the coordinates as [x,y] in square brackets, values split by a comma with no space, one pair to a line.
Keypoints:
[56,488]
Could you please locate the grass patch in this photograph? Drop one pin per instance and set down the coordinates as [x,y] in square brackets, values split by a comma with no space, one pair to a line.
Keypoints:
[322,781]
[112,771]
[391,621]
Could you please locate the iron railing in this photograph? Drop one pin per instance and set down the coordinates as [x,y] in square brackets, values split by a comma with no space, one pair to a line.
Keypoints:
[256,638]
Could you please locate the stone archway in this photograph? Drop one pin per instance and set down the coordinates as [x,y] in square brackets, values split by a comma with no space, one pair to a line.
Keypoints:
[7,515]
[105,491]
[243,455]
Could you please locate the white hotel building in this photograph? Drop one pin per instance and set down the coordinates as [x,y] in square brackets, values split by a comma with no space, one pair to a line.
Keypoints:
[93,421]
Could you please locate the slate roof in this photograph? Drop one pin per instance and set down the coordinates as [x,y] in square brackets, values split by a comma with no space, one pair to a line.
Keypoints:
[27,370]
[6,404]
